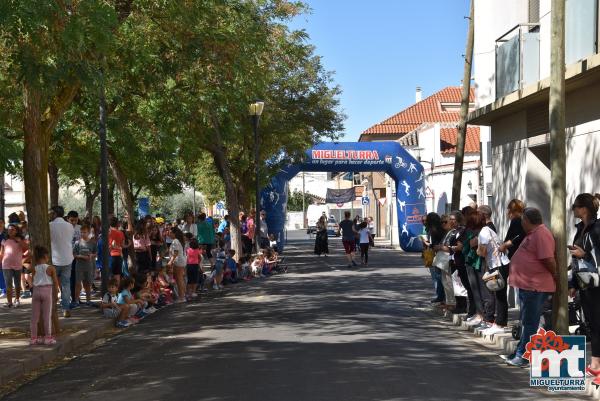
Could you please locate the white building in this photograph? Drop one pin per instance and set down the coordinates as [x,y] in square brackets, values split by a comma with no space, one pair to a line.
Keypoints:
[428,130]
[14,195]
[511,80]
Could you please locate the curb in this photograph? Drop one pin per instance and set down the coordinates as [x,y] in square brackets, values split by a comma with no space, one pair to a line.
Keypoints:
[44,354]
[504,344]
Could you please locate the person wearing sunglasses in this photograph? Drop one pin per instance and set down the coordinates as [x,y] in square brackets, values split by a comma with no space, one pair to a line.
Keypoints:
[585,252]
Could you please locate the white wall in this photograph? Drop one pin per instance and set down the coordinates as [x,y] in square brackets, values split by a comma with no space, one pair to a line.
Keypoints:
[493,18]
[315,183]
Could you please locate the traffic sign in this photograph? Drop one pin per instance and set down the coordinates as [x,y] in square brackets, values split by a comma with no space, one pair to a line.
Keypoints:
[365,200]
[220,206]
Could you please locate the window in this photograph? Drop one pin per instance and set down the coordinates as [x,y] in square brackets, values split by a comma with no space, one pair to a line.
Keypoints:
[488,153]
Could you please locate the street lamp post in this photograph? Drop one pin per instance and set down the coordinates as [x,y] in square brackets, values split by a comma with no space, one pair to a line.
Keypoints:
[255,111]
[103,184]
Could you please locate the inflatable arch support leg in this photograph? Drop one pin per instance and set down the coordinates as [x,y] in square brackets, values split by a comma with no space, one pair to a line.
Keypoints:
[389,157]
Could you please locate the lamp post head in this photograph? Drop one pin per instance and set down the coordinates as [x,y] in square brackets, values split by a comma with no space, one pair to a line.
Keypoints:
[256,108]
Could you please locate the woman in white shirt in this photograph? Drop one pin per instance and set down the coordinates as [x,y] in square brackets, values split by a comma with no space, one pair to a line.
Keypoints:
[488,247]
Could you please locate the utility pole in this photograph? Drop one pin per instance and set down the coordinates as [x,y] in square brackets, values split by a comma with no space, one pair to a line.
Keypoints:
[464,110]
[558,156]
[103,184]
[303,203]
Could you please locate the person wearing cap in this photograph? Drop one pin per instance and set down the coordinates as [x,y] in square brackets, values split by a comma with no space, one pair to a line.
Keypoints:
[533,271]
[61,236]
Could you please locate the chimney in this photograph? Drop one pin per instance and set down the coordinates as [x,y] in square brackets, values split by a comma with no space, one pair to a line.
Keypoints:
[418,95]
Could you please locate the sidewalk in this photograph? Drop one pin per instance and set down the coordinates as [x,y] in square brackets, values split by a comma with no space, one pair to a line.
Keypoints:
[19,358]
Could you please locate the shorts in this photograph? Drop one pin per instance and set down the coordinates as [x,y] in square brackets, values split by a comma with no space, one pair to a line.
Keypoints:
[208,249]
[85,273]
[116,265]
[111,313]
[11,275]
[192,273]
[133,309]
[349,246]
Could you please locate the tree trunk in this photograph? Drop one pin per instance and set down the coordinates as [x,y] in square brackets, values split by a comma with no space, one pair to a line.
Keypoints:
[558,158]
[231,198]
[126,197]
[464,110]
[231,195]
[53,181]
[35,174]
[90,199]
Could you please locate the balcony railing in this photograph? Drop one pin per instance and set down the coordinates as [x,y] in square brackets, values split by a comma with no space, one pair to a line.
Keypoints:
[518,61]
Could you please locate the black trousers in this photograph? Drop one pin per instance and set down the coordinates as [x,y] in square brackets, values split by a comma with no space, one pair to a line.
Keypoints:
[590,302]
[364,252]
[485,302]
[501,298]
[142,260]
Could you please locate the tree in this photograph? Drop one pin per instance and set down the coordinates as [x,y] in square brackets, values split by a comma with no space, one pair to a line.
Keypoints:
[48,48]
[464,111]
[234,53]
[296,201]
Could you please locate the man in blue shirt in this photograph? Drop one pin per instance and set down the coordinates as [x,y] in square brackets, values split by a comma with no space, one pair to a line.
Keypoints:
[224,224]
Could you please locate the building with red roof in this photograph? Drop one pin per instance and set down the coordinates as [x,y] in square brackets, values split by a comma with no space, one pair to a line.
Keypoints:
[428,130]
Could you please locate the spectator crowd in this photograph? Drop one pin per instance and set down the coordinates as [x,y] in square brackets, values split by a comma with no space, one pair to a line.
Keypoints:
[473,267]
[151,265]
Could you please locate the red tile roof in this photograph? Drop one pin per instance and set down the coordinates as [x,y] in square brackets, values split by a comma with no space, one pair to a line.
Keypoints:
[428,110]
[448,140]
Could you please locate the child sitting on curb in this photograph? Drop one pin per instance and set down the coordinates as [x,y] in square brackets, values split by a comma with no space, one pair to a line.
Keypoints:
[111,309]
[44,281]
[125,298]
[230,275]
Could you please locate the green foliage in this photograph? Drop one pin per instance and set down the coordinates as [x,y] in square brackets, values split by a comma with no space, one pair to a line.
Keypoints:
[294,203]
[176,206]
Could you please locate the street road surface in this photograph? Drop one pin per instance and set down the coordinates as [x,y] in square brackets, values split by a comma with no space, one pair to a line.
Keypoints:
[320,332]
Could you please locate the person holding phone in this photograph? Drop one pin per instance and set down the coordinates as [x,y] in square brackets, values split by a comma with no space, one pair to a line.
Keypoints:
[586,247]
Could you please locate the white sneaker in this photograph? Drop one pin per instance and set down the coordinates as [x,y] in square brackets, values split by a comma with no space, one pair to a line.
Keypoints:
[470,319]
[475,322]
[493,330]
[17,303]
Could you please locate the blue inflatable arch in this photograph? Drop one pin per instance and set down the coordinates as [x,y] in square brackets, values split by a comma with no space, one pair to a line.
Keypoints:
[386,156]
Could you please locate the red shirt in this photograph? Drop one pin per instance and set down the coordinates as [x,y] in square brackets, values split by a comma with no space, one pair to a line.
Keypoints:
[116,239]
[527,271]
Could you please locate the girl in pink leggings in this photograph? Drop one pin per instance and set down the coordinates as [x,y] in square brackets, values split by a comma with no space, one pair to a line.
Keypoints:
[44,279]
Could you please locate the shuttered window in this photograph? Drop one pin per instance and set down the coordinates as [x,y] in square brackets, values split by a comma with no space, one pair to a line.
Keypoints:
[538,120]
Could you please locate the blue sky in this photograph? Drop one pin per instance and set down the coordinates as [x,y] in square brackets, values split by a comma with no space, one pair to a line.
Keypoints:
[380,50]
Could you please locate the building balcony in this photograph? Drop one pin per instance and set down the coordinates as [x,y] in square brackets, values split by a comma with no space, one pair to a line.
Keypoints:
[522,60]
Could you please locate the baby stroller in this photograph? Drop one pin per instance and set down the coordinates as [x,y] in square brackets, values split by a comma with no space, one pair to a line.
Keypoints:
[576,318]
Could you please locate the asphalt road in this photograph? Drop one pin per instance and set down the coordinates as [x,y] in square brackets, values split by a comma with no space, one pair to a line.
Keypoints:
[320,332]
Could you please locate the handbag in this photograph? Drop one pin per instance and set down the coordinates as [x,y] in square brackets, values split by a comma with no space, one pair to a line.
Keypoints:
[493,280]
[428,255]
[586,271]
[442,261]
[457,285]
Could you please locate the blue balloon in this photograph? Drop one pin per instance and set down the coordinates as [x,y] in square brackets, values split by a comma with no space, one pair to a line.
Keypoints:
[387,156]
